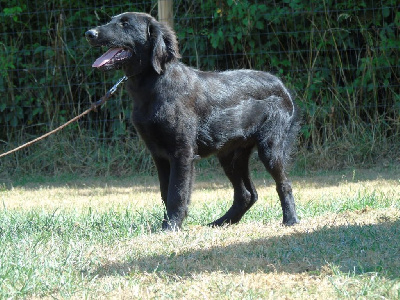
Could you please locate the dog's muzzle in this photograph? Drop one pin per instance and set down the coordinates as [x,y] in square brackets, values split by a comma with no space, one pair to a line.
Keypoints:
[114,58]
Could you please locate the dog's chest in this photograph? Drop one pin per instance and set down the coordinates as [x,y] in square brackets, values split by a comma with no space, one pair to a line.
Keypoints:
[149,122]
[163,126]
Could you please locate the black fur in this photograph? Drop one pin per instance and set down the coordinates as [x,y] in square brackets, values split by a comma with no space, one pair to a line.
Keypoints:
[183,114]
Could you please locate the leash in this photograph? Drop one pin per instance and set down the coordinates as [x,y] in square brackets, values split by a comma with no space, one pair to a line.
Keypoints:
[93,107]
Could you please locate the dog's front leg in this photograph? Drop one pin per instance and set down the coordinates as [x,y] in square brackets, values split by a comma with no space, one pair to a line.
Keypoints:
[179,191]
[163,171]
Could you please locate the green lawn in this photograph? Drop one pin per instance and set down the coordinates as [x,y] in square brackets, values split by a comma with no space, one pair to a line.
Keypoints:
[101,238]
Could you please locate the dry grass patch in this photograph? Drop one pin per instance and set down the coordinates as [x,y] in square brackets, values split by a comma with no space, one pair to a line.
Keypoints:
[143,192]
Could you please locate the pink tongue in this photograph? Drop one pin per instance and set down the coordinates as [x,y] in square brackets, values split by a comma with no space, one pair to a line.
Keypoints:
[106,57]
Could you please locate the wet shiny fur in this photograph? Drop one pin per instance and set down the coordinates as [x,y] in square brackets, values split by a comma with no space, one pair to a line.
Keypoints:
[184,114]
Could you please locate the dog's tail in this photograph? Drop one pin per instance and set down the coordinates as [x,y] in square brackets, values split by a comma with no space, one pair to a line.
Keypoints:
[292,134]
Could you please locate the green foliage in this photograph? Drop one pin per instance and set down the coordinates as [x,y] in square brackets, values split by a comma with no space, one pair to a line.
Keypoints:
[45,66]
[340,58]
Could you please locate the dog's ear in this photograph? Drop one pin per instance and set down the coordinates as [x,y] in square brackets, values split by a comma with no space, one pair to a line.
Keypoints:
[165,45]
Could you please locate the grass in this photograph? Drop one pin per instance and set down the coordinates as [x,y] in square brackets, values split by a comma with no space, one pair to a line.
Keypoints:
[100,238]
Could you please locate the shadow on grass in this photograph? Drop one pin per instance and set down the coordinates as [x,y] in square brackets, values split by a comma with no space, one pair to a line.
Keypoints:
[353,249]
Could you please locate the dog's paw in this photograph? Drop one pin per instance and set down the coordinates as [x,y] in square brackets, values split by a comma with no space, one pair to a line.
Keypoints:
[170,225]
[291,222]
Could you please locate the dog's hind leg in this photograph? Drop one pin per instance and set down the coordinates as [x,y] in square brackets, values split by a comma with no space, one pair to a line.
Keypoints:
[271,154]
[236,167]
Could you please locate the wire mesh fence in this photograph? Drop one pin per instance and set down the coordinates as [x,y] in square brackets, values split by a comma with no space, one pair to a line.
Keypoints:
[340,58]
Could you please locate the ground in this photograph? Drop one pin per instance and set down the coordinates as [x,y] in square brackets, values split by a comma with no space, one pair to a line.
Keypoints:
[100,238]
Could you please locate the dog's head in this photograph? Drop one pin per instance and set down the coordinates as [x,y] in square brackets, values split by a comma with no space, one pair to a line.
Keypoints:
[135,41]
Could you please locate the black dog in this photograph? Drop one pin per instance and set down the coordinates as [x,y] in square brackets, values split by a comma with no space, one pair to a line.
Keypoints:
[184,114]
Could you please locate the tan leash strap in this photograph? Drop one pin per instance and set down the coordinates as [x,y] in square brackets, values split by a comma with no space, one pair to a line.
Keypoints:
[93,107]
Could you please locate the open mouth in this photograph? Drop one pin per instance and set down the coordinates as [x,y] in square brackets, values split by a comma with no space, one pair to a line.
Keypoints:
[112,57]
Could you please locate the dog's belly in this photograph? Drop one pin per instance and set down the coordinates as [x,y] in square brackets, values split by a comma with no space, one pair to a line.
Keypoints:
[221,146]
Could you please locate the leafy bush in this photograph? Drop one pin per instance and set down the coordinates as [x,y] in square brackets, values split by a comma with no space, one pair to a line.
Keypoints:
[340,58]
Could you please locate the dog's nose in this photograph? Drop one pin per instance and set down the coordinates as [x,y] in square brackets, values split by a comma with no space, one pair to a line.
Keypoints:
[91,34]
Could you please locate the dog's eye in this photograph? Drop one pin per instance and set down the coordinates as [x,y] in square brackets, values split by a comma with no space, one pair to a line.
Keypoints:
[124,24]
